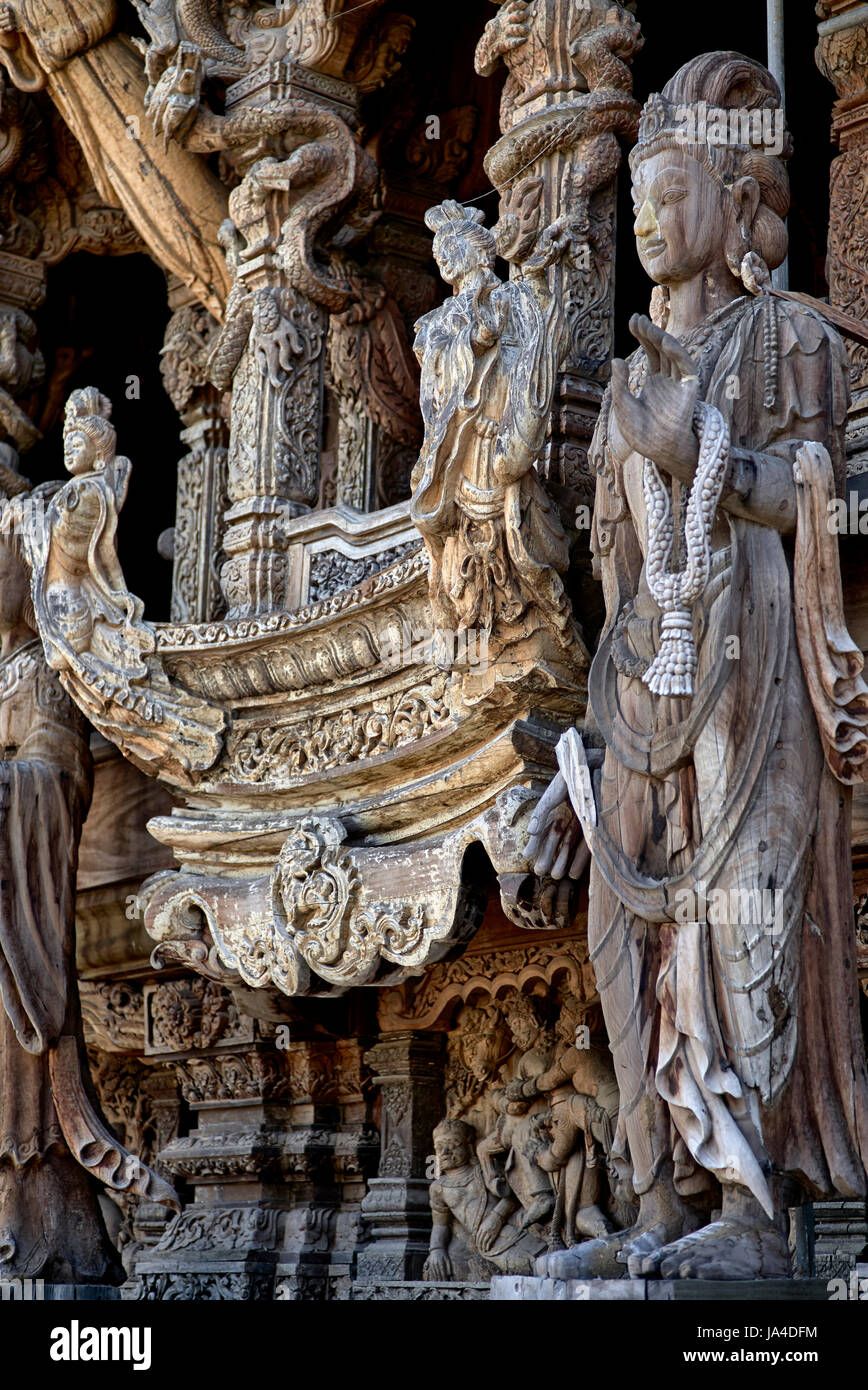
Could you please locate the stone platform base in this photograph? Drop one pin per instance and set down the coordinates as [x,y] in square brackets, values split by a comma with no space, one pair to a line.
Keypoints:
[508,1288]
[38,1291]
[388,1290]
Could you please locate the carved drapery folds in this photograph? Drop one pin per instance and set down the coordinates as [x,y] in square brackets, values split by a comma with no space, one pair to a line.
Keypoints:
[842,56]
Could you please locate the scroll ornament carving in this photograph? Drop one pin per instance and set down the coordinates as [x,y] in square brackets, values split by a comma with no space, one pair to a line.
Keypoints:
[253,1075]
[184,358]
[313,887]
[49,204]
[842,56]
[235,1228]
[419,1004]
[113,1015]
[192,1014]
[848,241]
[325,741]
[124,1098]
[91,626]
[199,1288]
[443,161]
[308,915]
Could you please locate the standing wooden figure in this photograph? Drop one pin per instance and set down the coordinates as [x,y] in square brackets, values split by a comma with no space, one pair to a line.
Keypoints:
[54,1146]
[727,717]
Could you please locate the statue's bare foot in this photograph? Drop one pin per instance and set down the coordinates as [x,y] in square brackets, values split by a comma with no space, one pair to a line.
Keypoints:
[590,1221]
[727,1249]
[605,1258]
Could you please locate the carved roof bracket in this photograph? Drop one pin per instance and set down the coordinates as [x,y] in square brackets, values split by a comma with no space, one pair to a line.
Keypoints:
[330,914]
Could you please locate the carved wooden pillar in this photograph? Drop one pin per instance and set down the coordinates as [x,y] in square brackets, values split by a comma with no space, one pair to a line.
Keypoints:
[408,1069]
[273,346]
[22,291]
[842,56]
[277,1159]
[841,1228]
[567,98]
[201,490]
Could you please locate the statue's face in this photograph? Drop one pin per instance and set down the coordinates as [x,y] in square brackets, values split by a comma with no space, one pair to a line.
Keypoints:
[451,1150]
[523,1030]
[683,217]
[79,454]
[457,258]
[14,588]
[476,1055]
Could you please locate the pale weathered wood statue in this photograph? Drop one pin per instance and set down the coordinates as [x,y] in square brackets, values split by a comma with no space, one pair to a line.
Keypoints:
[727,718]
[54,1146]
[490,357]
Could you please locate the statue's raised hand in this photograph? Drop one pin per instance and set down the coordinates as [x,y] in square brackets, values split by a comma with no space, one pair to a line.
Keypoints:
[658,422]
[556,846]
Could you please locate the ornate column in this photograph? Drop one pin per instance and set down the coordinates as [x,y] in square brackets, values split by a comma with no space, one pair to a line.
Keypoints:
[842,56]
[277,1159]
[201,491]
[567,99]
[841,1228]
[22,291]
[408,1069]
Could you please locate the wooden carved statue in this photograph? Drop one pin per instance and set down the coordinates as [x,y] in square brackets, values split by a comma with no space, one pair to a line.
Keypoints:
[490,357]
[91,626]
[727,721]
[471,1225]
[580,1087]
[54,1146]
[509,1153]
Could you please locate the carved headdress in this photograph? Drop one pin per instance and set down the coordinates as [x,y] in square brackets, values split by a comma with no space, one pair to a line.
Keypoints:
[453,220]
[725,111]
[88,412]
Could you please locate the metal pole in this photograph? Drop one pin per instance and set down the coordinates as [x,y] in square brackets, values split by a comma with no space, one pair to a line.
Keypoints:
[777,68]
